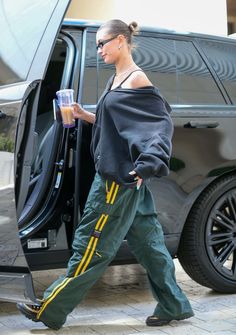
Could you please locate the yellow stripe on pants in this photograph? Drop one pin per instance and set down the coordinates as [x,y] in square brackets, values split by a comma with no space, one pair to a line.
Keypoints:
[84,263]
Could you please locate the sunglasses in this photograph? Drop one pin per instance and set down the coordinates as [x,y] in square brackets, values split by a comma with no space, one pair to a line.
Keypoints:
[102,43]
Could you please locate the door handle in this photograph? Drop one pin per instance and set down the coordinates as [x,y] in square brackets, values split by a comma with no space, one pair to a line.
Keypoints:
[203,124]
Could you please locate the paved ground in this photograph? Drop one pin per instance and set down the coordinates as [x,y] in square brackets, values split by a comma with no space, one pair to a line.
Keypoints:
[119,303]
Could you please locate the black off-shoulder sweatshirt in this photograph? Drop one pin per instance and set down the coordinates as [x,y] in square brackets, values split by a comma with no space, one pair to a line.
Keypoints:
[132,131]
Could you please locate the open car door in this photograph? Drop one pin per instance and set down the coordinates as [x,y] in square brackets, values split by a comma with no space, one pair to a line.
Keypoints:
[29,31]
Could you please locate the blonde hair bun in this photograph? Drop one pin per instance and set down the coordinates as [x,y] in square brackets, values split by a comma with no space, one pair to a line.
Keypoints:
[133,27]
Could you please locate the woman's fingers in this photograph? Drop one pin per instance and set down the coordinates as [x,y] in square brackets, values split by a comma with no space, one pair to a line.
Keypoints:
[77,110]
[137,178]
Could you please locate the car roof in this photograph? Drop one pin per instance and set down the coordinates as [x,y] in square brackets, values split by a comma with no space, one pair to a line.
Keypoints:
[79,23]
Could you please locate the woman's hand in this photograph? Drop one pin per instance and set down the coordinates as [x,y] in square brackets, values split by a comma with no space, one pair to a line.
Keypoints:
[80,113]
[137,178]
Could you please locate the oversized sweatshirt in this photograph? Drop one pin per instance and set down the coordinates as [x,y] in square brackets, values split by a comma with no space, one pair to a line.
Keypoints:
[132,131]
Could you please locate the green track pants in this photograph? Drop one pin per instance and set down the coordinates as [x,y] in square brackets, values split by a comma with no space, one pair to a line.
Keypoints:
[111,213]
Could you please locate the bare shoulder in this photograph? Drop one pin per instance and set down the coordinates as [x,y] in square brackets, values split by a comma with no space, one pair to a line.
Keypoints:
[139,79]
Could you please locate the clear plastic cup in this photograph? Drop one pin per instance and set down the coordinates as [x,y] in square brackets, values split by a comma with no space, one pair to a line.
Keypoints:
[65,99]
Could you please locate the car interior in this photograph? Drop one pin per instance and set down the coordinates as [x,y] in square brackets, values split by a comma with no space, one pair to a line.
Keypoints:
[56,151]
[47,134]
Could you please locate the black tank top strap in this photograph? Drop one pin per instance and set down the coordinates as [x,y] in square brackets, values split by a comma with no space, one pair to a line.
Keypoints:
[128,77]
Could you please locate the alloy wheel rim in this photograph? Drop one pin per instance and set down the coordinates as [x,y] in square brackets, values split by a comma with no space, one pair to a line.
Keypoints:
[220,235]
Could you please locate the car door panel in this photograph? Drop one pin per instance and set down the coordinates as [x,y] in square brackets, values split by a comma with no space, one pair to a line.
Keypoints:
[201,152]
[26,44]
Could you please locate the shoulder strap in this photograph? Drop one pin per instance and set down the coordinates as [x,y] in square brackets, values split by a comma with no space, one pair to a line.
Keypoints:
[110,82]
[128,76]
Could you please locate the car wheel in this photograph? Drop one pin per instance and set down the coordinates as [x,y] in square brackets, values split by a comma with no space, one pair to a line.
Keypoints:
[207,249]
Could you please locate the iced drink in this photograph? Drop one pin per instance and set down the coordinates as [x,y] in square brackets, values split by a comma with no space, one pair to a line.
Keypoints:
[65,99]
[67,116]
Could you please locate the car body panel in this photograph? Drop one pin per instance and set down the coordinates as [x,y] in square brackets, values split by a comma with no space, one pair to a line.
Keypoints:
[203,150]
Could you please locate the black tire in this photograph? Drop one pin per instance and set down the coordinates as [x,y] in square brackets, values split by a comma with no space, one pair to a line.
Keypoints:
[207,249]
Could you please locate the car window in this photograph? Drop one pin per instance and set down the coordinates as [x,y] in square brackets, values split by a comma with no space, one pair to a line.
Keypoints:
[157,58]
[174,66]
[22,31]
[94,85]
[195,84]
[160,60]
[223,60]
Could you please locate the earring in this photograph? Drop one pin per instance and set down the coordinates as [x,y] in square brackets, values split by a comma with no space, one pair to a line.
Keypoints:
[119,47]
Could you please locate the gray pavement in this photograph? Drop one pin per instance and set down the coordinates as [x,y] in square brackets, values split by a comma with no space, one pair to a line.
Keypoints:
[120,302]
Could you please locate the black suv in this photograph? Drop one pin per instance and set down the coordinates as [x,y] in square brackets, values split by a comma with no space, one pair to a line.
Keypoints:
[46,170]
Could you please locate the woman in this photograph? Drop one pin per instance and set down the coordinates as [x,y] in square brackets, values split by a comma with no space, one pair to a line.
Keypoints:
[131,142]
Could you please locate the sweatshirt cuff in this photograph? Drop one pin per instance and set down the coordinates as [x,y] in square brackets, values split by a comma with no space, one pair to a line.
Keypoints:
[146,172]
[143,172]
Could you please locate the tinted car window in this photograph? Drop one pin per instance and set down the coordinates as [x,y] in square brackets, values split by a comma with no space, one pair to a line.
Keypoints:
[178,70]
[174,66]
[91,80]
[20,33]
[157,57]
[195,84]
[223,60]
